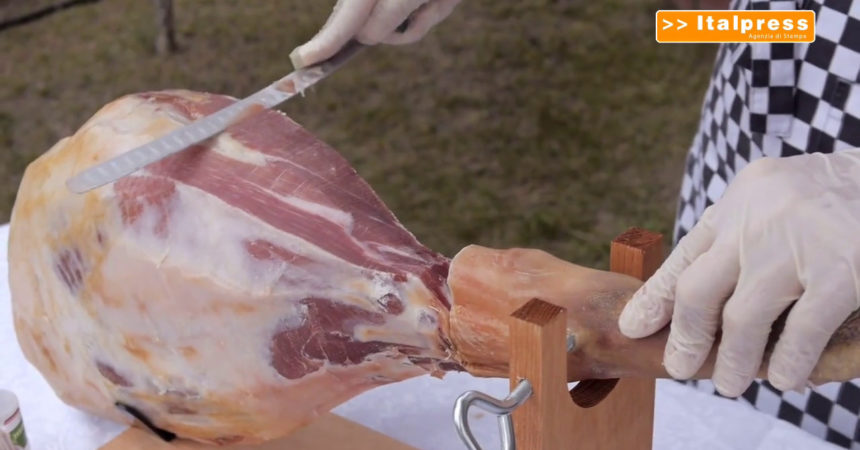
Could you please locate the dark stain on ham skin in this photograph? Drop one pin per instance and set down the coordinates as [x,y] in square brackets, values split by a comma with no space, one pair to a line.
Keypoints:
[451,366]
[165,435]
[421,360]
[112,375]
[326,335]
[70,267]
[391,304]
[430,364]
[137,193]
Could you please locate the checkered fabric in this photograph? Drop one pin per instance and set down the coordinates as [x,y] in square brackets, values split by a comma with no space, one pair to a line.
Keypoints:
[830,411]
[781,100]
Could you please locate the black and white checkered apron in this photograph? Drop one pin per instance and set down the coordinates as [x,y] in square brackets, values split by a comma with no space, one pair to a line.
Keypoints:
[781,100]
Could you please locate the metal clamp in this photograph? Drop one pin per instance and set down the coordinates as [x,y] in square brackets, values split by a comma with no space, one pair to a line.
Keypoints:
[501,408]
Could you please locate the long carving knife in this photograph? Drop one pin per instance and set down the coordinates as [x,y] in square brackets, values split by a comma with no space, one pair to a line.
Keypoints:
[211,125]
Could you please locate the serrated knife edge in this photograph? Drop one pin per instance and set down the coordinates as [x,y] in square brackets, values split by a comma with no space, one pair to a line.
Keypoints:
[200,130]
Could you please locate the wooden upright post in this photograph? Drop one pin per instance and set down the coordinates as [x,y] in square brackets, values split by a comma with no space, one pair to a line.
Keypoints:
[537,335]
[622,419]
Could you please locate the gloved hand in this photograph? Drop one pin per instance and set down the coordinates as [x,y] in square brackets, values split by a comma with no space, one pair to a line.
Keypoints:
[786,230]
[372,22]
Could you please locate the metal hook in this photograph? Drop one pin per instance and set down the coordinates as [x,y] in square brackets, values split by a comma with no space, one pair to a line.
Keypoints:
[501,408]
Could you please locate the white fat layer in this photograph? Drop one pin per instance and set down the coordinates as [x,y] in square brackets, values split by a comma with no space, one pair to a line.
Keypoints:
[226,145]
[405,252]
[339,217]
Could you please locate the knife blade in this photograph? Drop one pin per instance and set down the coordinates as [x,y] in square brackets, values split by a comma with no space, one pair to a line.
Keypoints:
[211,125]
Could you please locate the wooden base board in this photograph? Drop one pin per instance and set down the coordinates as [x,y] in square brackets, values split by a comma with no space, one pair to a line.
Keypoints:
[329,432]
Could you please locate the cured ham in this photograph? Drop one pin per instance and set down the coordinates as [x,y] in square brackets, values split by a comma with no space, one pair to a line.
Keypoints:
[229,293]
[237,290]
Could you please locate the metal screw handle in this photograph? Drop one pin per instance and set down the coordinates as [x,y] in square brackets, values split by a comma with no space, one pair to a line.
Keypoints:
[501,408]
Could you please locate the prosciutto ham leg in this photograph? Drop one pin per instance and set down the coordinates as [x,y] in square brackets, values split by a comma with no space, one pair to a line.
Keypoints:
[230,293]
[237,290]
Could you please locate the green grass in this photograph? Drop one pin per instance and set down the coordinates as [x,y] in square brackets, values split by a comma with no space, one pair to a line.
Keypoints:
[548,124]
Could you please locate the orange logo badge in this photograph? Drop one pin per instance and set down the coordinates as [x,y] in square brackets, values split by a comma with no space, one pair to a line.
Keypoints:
[735,26]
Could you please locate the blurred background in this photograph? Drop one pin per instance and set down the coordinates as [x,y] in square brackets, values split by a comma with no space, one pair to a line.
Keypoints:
[553,124]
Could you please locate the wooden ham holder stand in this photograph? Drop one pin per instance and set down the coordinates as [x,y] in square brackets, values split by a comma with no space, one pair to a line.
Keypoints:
[540,413]
[547,420]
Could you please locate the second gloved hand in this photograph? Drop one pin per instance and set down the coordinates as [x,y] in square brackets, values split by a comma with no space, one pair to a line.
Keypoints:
[785,235]
[372,22]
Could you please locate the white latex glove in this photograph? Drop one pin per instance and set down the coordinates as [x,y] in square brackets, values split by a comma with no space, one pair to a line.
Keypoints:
[372,22]
[787,229]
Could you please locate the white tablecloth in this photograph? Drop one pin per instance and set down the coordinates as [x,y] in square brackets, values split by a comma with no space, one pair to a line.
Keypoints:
[416,411]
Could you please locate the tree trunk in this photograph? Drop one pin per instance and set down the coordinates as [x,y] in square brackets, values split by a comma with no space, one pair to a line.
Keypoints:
[165,42]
